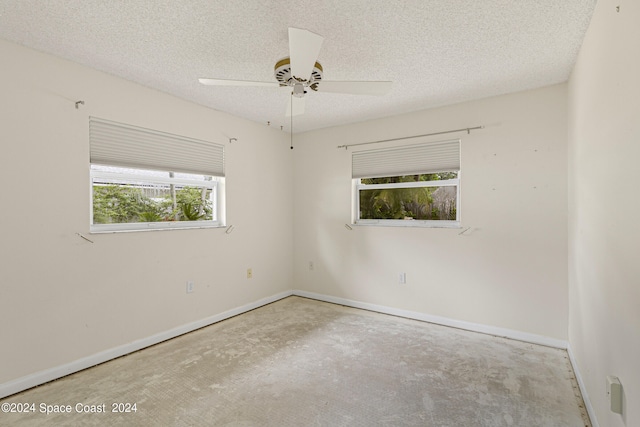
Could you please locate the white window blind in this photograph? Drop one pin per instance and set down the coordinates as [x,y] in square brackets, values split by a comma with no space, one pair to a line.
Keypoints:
[119,144]
[407,160]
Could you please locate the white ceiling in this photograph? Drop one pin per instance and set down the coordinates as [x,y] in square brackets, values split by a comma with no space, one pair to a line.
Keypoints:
[437,52]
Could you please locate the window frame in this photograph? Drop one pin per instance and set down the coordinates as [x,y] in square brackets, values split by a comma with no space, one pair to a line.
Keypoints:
[216,185]
[357,186]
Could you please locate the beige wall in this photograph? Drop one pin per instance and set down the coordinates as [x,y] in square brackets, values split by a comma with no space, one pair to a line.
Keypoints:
[604,234]
[510,271]
[63,298]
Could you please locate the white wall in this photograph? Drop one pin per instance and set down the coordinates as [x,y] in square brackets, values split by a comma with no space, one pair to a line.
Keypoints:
[63,298]
[509,272]
[604,233]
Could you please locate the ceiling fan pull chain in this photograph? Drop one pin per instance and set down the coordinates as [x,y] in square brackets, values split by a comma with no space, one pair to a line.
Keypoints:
[291,117]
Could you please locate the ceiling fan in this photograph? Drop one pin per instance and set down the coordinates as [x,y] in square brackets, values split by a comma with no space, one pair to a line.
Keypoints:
[301,71]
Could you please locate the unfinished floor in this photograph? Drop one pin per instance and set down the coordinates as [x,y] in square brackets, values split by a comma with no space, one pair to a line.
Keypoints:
[300,362]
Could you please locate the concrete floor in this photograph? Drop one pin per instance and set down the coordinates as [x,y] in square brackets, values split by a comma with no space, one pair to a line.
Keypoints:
[299,362]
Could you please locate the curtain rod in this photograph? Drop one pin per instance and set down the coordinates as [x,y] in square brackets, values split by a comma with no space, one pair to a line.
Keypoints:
[468,130]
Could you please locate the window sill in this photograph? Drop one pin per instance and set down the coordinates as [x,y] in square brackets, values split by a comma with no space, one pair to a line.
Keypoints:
[149,226]
[407,223]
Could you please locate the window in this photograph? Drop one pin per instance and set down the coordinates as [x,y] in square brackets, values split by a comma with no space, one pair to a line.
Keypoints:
[135,199]
[147,180]
[417,185]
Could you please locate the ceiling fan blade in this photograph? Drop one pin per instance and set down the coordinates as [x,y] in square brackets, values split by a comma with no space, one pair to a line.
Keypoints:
[297,105]
[355,88]
[304,48]
[224,82]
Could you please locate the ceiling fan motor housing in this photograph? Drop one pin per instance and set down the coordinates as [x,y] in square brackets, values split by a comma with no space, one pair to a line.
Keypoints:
[282,72]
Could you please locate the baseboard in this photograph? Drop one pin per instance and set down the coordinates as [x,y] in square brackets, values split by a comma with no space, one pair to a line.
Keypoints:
[469,326]
[583,388]
[38,378]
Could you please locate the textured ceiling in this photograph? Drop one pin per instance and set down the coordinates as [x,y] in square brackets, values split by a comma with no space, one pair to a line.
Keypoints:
[436,52]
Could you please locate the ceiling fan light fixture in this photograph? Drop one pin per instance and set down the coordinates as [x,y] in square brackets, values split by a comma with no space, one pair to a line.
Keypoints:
[298,90]
[282,73]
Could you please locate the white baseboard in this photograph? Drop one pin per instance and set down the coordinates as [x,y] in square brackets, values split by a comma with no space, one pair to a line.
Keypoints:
[583,389]
[469,326]
[41,377]
[38,378]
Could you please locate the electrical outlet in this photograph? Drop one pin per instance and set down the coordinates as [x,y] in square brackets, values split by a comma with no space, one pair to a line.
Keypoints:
[310,265]
[614,393]
[249,273]
[402,278]
[189,287]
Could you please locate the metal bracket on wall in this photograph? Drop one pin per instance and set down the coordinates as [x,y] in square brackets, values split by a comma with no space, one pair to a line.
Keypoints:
[464,231]
[90,241]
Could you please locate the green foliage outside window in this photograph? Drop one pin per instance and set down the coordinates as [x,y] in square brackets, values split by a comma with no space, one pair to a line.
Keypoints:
[115,204]
[419,203]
